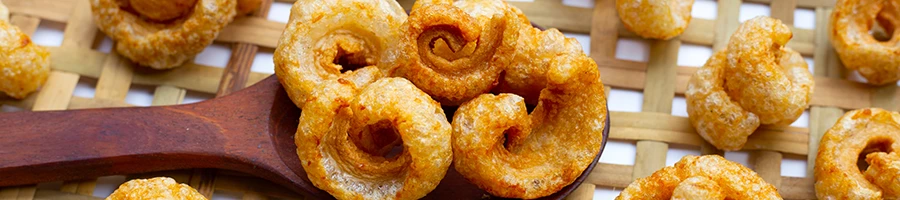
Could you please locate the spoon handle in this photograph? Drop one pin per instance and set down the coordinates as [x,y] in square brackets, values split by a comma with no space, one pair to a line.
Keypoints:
[64,145]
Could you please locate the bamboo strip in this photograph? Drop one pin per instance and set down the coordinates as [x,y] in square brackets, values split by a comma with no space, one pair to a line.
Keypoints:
[768,165]
[167,95]
[611,175]
[191,76]
[823,118]
[115,78]
[603,32]
[26,24]
[554,14]
[585,191]
[658,95]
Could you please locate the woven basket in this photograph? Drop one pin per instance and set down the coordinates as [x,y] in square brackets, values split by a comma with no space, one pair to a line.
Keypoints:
[653,129]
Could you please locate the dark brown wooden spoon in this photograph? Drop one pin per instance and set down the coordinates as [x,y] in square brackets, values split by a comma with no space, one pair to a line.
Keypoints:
[249,131]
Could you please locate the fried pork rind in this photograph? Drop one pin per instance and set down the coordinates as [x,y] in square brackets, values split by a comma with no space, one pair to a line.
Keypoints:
[160,188]
[701,177]
[24,66]
[324,38]
[162,44]
[875,60]
[656,19]
[756,80]
[335,164]
[872,132]
[455,52]
[526,75]
[502,149]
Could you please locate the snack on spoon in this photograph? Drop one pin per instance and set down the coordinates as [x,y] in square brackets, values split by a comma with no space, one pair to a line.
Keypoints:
[510,153]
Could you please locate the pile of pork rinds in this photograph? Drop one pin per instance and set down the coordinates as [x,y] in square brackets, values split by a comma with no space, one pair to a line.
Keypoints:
[369,77]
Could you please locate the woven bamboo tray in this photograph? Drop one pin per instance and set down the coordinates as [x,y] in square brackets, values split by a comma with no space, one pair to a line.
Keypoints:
[653,129]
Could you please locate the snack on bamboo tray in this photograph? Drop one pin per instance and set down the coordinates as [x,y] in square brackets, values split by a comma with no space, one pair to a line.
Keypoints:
[875,60]
[163,34]
[455,51]
[543,151]
[25,66]
[335,164]
[701,177]
[159,188]
[656,19]
[873,133]
[326,40]
[756,80]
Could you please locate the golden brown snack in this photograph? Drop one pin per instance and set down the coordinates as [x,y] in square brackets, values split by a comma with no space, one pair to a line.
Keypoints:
[869,132]
[526,75]
[498,146]
[323,39]
[701,177]
[656,19]
[851,21]
[756,80]
[159,188]
[24,66]
[176,33]
[335,164]
[456,51]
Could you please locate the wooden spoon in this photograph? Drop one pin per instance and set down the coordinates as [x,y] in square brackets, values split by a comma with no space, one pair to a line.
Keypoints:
[249,131]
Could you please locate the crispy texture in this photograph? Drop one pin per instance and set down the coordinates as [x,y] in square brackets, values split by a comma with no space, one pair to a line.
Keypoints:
[498,146]
[526,75]
[860,132]
[25,66]
[162,45]
[159,188]
[334,164]
[656,19]
[875,60]
[455,52]
[756,80]
[323,36]
[703,177]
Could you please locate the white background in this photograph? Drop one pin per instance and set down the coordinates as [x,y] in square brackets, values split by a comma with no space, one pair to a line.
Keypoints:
[616,152]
